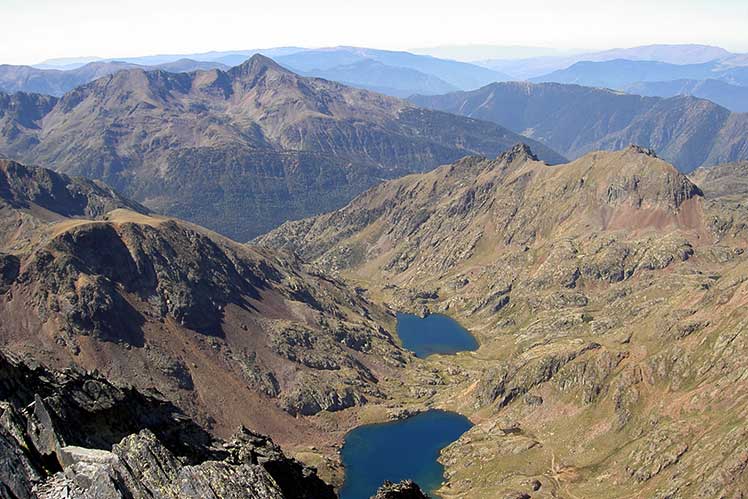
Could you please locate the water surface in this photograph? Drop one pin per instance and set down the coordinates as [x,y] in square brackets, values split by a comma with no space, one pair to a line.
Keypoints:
[399,450]
[435,333]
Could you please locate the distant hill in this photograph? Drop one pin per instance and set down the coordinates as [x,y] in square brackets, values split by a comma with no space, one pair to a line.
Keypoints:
[671,54]
[390,80]
[321,62]
[530,67]
[242,150]
[574,120]
[733,97]
[620,73]
[56,82]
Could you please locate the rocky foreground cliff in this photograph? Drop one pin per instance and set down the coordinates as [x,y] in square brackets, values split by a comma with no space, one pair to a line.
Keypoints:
[73,434]
[609,298]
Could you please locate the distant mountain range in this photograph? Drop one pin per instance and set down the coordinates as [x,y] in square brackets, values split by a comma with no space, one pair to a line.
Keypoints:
[400,74]
[481,52]
[56,82]
[390,80]
[530,67]
[334,63]
[719,80]
[227,57]
[620,73]
[733,97]
[574,120]
[239,151]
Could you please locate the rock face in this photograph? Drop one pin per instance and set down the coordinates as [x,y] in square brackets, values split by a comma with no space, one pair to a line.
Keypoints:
[73,434]
[232,334]
[403,490]
[242,150]
[608,298]
[575,120]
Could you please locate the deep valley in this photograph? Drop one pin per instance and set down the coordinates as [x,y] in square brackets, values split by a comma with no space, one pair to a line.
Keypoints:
[318,272]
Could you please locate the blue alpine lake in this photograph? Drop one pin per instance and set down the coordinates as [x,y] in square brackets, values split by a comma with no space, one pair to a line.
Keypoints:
[432,334]
[399,450]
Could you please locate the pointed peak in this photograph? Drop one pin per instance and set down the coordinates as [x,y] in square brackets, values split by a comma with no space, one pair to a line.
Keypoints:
[257,65]
[518,152]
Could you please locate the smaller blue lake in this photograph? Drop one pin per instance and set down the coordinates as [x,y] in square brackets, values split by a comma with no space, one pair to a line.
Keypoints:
[399,450]
[432,334]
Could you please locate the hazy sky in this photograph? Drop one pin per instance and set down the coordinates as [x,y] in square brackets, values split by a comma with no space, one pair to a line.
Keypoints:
[34,30]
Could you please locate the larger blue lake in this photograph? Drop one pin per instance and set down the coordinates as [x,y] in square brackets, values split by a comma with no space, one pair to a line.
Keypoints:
[432,334]
[399,450]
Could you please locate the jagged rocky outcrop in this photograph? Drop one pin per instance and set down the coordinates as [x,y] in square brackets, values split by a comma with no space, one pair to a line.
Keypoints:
[74,434]
[238,151]
[406,489]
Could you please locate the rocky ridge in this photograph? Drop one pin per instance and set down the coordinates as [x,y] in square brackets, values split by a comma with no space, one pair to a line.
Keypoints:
[607,296]
[231,334]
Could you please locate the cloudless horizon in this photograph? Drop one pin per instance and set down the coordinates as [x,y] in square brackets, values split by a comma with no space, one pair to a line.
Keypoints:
[38,30]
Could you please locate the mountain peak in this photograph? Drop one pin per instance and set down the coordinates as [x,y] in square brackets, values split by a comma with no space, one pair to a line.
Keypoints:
[258,65]
[521,152]
[642,150]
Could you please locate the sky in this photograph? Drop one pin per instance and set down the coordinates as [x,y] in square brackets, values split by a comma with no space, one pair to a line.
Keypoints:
[35,30]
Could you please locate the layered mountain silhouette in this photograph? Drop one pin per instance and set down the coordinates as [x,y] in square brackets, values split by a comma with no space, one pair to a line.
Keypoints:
[394,73]
[531,67]
[391,72]
[242,150]
[57,82]
[619,73]
[607,294]
[574,120]
[733,97]
[390,80]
